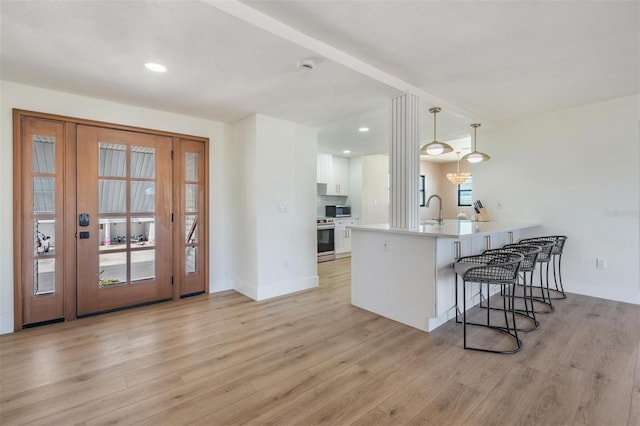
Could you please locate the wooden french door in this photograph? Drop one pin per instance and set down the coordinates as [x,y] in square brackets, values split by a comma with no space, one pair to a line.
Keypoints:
[192,181]
[40,249]
[105,217]
[124,229]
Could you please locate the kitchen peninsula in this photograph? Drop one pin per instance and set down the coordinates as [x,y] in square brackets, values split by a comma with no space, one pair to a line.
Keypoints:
[406,274]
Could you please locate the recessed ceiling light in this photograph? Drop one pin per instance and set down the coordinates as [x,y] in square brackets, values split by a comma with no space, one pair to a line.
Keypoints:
[363,129]
[155,67]
[346,151]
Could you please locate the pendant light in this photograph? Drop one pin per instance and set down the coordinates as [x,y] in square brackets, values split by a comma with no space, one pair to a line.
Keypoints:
[458,178]
[475,156]
[435,147]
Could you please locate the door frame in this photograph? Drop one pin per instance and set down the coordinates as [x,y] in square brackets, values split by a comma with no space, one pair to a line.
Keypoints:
[69,206]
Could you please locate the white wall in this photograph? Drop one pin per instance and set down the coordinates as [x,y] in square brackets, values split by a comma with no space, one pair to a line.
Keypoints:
[437,183]
[36,99]
[375,189]
[576,172]
[244,245]
[280,244]
[355,187]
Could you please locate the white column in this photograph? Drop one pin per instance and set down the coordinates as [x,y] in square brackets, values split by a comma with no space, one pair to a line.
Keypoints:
[404,162]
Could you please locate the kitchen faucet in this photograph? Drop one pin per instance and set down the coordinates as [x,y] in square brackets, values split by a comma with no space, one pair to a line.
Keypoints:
[440,220]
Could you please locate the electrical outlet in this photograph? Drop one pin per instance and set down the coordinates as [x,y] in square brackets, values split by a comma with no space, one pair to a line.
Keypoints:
[386,245]
[601,263]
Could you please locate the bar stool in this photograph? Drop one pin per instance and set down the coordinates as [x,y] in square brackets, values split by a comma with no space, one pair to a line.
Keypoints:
[491,269]
[530,256]
[546,245]
[556,261]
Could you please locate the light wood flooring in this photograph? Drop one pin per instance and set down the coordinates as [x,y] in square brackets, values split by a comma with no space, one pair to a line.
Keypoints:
[312,358]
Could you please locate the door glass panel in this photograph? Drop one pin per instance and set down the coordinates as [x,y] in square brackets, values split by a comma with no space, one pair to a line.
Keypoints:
[112,159]
[143,197]
[191,197]
[191,222]
[112,196]
[44,271]
[44,231]
[44,195]
[192,228]
[44,154]
[113,269]
[143,265]
[143,231]
[143,162]
[113,233]
[191,166]
[191,260]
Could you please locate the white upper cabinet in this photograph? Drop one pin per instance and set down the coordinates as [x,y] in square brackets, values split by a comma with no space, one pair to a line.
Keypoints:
[325,167]
[333,175]
[341,175]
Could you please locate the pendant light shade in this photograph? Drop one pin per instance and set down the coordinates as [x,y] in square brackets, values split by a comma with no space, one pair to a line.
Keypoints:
[435,147]
[458,178]
[475,156]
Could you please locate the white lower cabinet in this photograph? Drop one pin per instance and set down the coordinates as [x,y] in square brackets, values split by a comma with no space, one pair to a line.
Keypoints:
[342,237]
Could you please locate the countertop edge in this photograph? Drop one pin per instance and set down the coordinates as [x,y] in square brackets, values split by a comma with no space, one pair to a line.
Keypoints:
[475,228]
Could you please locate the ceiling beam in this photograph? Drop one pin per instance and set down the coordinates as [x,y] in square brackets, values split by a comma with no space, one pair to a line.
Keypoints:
[256,18]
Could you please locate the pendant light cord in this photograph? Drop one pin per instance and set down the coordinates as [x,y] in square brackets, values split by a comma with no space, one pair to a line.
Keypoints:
[434,125]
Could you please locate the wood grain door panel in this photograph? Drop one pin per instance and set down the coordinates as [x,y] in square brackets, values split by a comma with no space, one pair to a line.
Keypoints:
[126,224]
[42,230]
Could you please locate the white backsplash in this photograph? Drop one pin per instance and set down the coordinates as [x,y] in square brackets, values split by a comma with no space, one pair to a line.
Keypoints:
[329,200]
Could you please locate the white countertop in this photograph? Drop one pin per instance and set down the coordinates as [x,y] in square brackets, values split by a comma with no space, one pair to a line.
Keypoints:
[450,228]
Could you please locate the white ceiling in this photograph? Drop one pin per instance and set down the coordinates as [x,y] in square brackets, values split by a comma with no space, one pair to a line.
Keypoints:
[486,61]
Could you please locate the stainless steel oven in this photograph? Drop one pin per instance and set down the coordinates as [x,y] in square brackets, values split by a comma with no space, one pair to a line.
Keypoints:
[326,243]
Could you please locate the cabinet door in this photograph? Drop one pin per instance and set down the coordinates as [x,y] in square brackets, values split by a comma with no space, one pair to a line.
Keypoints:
[339,239]
[347,240]
[340,175]
[344,233]
[325,166]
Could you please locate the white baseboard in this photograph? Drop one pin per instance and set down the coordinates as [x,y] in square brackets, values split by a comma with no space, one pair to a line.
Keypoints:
[221,285]
[6,325]
[269,291]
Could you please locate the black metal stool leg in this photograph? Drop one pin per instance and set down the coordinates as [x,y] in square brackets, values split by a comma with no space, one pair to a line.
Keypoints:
[464,313]
[546,298]
[557,277]
[513,317]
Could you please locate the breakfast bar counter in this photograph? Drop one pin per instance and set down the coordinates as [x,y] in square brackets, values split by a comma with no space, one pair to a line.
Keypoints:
[407,275]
